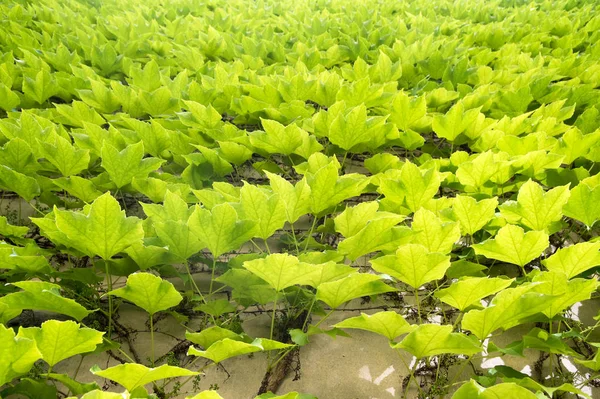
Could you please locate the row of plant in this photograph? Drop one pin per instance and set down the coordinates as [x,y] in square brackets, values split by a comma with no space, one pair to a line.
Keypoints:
[438,156]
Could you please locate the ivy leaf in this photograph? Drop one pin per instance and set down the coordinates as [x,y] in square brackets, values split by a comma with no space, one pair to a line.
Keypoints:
[472,390]
[8,99]
[79,187]
[352,128]
[40,295]
[469,291]
[217,308]
[506,310]
[248,288]
[8,230]
[575,259]
[328,189]
[151,293]
[379,234]
[98,394]
[389,324]
[535,208]
[413,264]
[551,343]
[563,293]
[278,139]
[76,388]
[511,244]
[266,210]
[433,339]
[206,395]
[356,285]
[296,199]
[413,188]
[11,180]
[584,204]
[104,230]
[59,340]
[281,270]
[68,159]
[18,355]
[210,335]
[434,234]
[328,271]
[123,166]
[18,155]
[353,219]
[484,168]
[228,348]
[133,375]
[219,229]
[473,215]
[454,122]
[178,238]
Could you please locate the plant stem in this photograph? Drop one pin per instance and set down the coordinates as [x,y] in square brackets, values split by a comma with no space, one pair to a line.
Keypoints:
[324,318]
[312,227]
[110,301]
[189,272]
[295,239]
[152,337]
[273,318]
[418,303]
[212,275]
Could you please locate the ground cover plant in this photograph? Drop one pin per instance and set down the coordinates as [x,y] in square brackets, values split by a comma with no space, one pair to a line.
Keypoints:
[207,161]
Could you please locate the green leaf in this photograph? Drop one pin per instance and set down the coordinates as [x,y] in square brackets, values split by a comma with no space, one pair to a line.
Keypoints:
[98,394]
[328,189]
[11,180]
[352,128]
[132,375]
[265,209]
[32,389]
[434,234]
[18,355]
[413,264]
[220,229]
[124,166]
[506,310]
[68,159]
[389,324]
[216,308]
[433,339]
[296,199]
[356,285]
[473,215]
[18,155]
[248,288]
[210,335]
[584,204]
[8,230]
[278,139]
[228,348]
[8,99]
[79,187]
[59,340]
[104,230]
[563,293]
[151,293]
[575,259]
[413,187]
[535,208]
[206,395]
[39,295]
[281,270]
[511,244]
[551,343]
[75,387]
[454,122]
[178,238]
[472,390]
[469,291]
[380,233]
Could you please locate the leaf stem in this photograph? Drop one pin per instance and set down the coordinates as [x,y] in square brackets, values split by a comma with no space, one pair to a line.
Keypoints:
[295,239]
[110,300]
[189,272]
[418,303]
[212,275]
[273,318]
[152,337]
[312,227]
